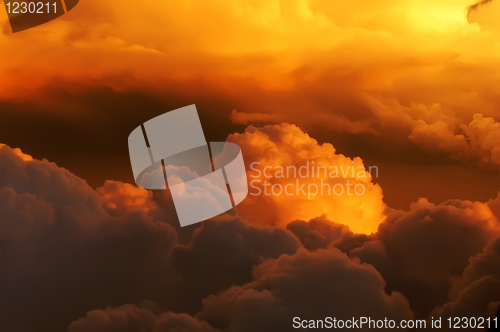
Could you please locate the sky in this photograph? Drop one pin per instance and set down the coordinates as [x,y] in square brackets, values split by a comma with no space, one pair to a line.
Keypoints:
[410,87]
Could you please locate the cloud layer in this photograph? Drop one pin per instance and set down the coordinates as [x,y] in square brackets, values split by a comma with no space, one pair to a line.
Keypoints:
[365,70]
[109,260]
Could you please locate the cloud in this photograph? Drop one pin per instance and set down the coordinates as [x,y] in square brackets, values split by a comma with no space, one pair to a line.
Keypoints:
[118,198]
[311,285]
[317,233]
[279,60]
[58,245]
[253,118]
[479,299]
[419,253]
[227,251]
[272,148]
[142,318]
[126,318]
[320,233]
[483,264]
[477,142]
[181,322]
[61,241]
[477,291]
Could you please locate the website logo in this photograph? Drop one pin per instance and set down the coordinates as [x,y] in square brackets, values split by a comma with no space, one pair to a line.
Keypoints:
[28,14]
[204,179]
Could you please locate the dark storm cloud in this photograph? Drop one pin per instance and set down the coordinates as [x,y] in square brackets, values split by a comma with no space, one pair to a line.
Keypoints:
[312,285]
[181,322]
[226,251]
[67,249]
[63,254]
[125,318]
[479,299]
[477,291]
[487,263]
[419,252]
[142,318]
[108,260]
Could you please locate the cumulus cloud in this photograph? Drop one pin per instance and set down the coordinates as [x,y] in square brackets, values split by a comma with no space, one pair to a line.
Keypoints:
[477,291]
[142,318]
[420,252]
[126,318]
[273,148]
[312,285]
[226,251]
[59,245]
[485,263]
[477,141]
[181,322]
[479,299]
[62,241]
[119,198]
[320,233]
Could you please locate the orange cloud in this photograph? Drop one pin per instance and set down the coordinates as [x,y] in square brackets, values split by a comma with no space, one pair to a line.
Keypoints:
[291,177]
[477,141]
[348,68]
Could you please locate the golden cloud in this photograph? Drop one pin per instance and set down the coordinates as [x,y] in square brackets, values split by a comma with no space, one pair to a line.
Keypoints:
[291,177]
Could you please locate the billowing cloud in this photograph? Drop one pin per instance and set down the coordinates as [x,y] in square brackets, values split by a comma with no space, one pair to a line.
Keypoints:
[181,322]
[477,291]
[119,198]
[291,176]
[144,318]
[309,285]
[58,245]
[420,252]
[479,299]
[477,142]
[320,233]
[125,318]
[227,251]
